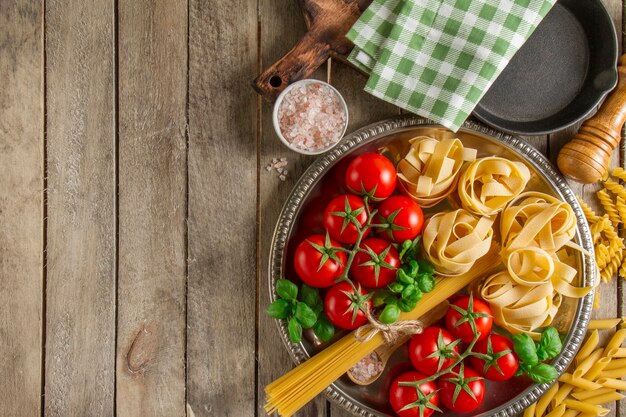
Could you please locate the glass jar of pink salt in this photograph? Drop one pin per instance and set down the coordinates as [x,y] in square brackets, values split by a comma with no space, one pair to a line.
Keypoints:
[310,116]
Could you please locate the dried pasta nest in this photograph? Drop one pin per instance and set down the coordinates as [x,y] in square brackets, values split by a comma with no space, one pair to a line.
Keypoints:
[429,171]
[487,185]
[536,220]
[453,241]
[520,308]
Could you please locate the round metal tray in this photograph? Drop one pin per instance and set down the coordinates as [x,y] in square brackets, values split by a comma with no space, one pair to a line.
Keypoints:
[573,317]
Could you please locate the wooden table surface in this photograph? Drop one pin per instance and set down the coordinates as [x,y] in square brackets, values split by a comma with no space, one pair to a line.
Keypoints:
[135,211]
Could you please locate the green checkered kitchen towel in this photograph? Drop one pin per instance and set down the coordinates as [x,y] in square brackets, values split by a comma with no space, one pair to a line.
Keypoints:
[437,58]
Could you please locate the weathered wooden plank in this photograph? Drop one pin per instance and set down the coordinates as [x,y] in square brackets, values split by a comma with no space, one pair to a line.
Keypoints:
[152,59]
[80,337]
[21,206]
[222,209]
[281,25]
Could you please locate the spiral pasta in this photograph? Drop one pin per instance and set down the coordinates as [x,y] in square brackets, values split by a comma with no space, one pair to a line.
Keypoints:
[488,184]
[609,206]
[619,173]
[615,188]
[453,241]
[536,220]
[429,171]
[590,215]
[620,205]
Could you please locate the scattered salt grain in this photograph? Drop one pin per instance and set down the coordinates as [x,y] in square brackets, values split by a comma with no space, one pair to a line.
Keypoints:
[312,117]
[280,166]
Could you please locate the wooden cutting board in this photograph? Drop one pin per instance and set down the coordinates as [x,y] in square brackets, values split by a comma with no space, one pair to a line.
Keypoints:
[327,21]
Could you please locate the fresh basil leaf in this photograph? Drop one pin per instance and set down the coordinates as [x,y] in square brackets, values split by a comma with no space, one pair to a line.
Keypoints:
[390,314]
[408,292]
[525,349]
[403,277]
[286,289]
[310,296]
[396,287]
[425,267]
[406,305]
[542,373]
[295,330]
[550,344]
[412,268]
[391,300]
[305,315]
[380,296]
[324,329]
[318,309]
[426,282]
[279,309]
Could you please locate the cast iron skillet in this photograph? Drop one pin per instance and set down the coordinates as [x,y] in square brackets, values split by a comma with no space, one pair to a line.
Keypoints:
[560,75]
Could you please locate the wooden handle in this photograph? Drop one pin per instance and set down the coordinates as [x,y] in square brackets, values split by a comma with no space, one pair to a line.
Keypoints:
[586,157]
[328,22]
[308,54]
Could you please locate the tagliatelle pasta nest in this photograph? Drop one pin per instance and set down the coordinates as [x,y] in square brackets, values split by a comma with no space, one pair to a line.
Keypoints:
[488,184]
[453,241]
[520,308]
[536,220]
[429,171]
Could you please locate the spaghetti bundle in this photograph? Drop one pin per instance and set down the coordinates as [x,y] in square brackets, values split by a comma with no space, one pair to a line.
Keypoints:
[488,184]
[293,390]
[429,171]
[454,241]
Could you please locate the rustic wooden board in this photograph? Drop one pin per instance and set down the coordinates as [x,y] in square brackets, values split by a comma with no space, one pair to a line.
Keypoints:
[281,24]
[21,206]
[80,316]
[152,56]
[221,364]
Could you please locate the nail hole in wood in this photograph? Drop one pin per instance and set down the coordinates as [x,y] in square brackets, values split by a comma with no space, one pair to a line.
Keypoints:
[275,81]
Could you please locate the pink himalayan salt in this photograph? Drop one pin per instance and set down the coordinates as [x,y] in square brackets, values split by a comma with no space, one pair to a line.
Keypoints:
[311,117]
[367,368]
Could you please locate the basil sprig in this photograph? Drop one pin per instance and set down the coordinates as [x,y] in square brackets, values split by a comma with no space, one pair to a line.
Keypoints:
[532,354]
[305,313]
[414,278]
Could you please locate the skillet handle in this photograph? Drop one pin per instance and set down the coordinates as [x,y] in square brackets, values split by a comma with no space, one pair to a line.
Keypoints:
[587,156]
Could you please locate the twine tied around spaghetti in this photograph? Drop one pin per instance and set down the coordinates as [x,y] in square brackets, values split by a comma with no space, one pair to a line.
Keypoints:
[391,332]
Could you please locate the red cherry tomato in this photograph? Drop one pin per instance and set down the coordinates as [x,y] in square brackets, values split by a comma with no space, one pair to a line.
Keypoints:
[403,217]
[338,218]
[468,317]
[340,306]
[400,396]
[433,339]
[503,362]
[379,270]
[318,262]
[463,403]
[372,175]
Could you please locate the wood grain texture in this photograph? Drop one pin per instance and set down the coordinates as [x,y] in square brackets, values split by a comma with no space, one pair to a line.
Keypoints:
[152,59]
[21,206]
[221,364]
[281,25]
[80,342]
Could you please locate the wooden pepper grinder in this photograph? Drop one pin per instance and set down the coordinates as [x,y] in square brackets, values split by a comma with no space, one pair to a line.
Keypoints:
[586,157]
